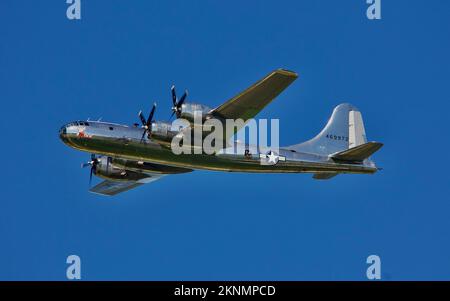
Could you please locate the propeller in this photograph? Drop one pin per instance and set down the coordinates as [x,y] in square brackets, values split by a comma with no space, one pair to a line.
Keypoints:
[147,124]
[93,164]
[177,103]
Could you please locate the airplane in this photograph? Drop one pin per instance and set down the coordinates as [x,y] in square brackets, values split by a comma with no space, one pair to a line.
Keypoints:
[130,156]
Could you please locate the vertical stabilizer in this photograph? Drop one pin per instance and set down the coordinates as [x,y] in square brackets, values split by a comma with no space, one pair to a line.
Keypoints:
[344,130]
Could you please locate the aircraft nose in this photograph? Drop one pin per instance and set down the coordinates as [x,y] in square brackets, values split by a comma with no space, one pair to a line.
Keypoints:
[63,133]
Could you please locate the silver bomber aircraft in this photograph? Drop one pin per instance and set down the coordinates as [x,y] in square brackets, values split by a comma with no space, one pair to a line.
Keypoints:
[129,156]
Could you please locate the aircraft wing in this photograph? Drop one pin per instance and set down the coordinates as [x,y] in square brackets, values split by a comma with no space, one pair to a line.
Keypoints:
[250,102]
[110,187]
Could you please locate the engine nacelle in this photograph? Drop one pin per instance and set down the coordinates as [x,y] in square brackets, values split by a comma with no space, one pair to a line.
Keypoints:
[106,169]
[189,109]
[162,132]
[161,129]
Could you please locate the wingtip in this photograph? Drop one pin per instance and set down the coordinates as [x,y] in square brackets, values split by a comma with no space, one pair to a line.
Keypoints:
[287,72]
[380,144]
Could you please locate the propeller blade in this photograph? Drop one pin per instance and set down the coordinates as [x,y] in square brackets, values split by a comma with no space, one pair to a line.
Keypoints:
[143,135]
[150,116]
[174,96]
[177,103]
[90,175]
[182,99]
[93,164]
[144,122]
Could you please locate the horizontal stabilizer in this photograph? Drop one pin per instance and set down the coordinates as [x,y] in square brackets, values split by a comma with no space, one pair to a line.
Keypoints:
[358,153]
[324,176]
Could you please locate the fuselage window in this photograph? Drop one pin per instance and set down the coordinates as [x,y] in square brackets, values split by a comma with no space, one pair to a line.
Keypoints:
[111,128]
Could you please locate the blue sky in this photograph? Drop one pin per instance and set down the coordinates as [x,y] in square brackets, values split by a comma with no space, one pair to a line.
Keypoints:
[123,55]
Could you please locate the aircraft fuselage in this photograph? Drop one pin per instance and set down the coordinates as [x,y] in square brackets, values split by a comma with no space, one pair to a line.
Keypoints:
[124,142]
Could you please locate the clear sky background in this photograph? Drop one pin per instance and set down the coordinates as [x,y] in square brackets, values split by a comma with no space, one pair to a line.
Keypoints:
[123,55]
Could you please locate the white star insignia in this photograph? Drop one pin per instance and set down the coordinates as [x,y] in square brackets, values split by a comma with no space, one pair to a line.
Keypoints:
[273,158]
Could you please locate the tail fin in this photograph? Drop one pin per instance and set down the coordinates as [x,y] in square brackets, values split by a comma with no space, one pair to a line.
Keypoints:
[344,130]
